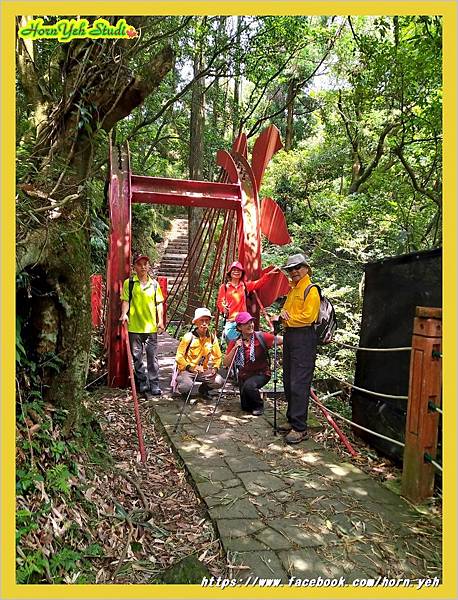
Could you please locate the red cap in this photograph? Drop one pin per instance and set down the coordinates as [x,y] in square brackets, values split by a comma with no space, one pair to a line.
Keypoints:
[140,257]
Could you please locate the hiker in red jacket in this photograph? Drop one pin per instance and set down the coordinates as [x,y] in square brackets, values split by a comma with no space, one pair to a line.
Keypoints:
[231,298]
[252,361]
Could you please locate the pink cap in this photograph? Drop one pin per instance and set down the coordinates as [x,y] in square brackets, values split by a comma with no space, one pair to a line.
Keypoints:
[235,265]
[243,317]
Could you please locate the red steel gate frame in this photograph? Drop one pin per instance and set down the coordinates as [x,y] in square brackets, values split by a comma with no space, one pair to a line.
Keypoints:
[238,191]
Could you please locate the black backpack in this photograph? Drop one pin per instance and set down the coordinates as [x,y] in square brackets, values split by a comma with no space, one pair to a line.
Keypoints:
[326,322]
[131,288]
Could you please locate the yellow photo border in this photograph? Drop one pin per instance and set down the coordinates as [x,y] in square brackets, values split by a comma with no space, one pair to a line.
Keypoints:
[9,9]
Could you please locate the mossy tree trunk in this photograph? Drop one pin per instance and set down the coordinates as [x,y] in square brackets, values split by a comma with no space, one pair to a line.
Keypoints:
[96,90]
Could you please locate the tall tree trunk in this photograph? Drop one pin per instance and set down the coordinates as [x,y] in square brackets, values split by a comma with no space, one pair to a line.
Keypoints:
[290,114]
[196,160]
[237,82]
[98,92]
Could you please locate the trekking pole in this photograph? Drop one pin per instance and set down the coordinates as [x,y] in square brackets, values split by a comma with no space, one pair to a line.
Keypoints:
[141,444]
[221,392]
[276,327]
[263,310]
[223,339]
[188,396]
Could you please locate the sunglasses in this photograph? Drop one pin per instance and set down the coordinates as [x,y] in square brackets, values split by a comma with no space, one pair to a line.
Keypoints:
[295,268]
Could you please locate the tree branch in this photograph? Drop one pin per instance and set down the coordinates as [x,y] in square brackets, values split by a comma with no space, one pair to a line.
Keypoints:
[136,92]
[374,162]
[437,198]
[300,84]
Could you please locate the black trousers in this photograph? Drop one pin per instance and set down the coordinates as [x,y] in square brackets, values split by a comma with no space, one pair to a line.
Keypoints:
[299,353]
[250,398]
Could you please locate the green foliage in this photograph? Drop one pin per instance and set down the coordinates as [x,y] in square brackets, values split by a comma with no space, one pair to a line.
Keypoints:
[26,478]
[57,478]
[32,567]
[148,226]
[20,350]
[99,244]
[46,472]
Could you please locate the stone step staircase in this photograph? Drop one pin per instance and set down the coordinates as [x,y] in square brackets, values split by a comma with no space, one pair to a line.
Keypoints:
[174,253]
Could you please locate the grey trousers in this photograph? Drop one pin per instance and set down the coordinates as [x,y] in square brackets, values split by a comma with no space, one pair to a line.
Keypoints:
[147,375]
[185,381]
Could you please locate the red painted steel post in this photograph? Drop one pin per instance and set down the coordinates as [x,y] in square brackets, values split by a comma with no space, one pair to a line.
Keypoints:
[424,389]
[162,281]
[118,268]
[96,300]
[138,421]
[333,424]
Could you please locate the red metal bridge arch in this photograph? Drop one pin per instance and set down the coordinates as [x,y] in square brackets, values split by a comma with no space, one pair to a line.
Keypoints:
[237,191]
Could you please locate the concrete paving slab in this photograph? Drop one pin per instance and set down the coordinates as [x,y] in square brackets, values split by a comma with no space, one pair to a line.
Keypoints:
[208,473]
[261,483]
[261,564]
[243,544]
[238,527]
[303,534]
[246,464]
[303,563]
[273,539]
[237,509]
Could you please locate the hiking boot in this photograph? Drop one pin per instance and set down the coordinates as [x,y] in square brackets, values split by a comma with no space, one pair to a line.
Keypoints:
[295,437]
[284,427]
[156,391]
[257,412]
[204,391]
[192,400]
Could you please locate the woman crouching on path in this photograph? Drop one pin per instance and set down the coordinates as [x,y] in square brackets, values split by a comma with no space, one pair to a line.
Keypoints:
[252,361]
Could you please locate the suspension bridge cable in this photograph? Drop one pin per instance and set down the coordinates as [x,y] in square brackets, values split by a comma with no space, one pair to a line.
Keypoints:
[429,459]
[202,241]
[94,380]
[434,408]
[191,249]
[217,260]
[355,387]
[436,465]
[384,437]
[373,349]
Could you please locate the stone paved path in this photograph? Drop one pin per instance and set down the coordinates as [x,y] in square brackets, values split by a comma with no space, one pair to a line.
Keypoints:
[284,511]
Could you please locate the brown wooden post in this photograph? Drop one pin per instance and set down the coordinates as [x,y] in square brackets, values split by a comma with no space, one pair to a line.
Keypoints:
[424,391]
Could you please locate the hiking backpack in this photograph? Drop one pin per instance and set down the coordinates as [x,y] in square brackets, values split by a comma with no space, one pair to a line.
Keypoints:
[326,322]
[262,343]
[131,289]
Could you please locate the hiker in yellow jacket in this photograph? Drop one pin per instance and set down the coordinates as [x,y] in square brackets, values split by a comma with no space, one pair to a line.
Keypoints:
[198,357]
[298,314]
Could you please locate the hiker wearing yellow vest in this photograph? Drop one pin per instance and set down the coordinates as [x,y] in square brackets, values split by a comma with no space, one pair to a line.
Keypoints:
[144,314]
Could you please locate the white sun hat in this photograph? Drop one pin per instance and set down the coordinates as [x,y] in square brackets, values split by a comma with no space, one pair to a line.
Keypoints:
[201,312]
